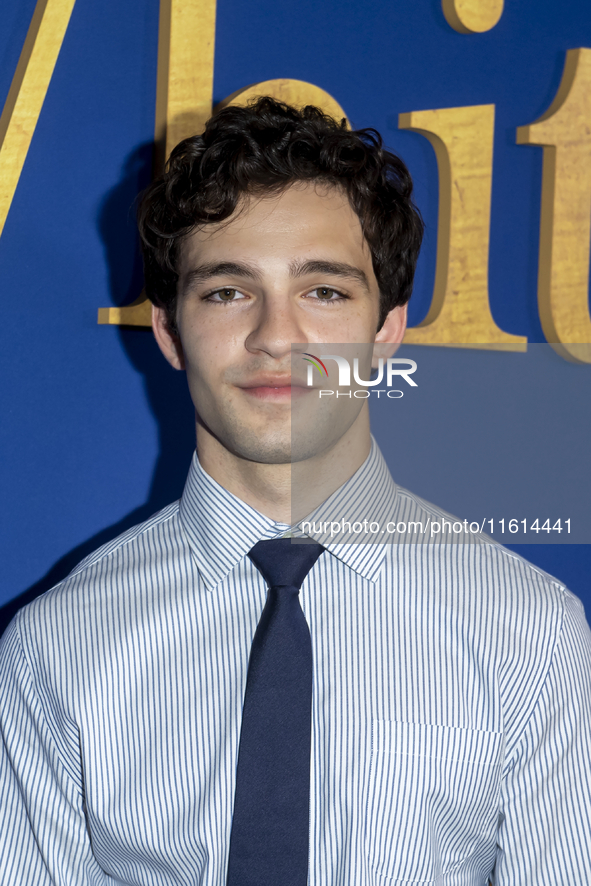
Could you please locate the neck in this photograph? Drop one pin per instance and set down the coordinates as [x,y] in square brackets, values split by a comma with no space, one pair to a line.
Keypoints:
[288,492]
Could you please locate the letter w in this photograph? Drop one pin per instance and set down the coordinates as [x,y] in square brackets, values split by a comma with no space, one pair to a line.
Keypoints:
[27,92]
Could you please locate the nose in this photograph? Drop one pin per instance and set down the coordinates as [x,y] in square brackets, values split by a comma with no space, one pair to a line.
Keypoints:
[277,326]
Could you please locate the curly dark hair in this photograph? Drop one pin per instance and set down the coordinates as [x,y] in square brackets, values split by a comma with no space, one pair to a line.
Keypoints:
[264,148]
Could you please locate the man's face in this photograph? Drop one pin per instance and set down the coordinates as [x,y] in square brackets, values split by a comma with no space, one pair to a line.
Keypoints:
[286,269]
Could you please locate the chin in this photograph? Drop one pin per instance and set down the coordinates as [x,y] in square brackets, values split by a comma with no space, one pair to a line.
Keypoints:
[284,443]
[274,452]
[267,450]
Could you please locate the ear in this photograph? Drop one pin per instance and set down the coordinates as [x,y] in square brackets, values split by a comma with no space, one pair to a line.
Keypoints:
[390,335]
[168,342]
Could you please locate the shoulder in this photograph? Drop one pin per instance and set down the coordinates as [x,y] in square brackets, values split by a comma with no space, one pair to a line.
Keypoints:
[75,632]
[496,610]
[120,568]
[139,537]
[470,543]
[497,594]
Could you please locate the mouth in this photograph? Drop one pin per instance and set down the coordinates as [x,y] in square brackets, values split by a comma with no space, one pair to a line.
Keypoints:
[278,390]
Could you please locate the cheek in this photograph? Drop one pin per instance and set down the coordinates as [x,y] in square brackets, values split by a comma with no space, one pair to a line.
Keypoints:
[208,351]
[207,328]
[357,326]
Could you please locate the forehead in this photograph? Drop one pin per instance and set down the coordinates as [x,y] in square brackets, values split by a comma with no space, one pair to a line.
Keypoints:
[303,220]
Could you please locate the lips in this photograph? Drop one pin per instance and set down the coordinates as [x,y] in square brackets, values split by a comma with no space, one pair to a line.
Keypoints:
[276,389]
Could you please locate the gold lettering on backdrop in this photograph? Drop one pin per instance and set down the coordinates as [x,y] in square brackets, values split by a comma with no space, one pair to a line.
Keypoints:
[27,92]
[184,90]
[295,92]
[472,16]
[184,95]
[460,311]
[565,223]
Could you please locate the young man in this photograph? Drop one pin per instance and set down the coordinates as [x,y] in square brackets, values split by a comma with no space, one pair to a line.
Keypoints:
[384,712]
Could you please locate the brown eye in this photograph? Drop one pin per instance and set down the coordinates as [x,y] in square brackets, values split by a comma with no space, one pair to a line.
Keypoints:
[323,292]
[227,294]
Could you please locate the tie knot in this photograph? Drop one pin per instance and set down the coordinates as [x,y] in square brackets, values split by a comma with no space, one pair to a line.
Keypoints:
[281,562]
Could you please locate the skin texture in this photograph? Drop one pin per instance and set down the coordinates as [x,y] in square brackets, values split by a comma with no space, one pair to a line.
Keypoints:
[247,295]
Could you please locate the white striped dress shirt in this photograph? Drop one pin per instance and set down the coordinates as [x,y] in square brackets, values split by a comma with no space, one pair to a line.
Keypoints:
[451,723]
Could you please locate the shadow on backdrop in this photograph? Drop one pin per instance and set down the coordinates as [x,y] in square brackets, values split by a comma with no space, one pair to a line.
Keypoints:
[166,389]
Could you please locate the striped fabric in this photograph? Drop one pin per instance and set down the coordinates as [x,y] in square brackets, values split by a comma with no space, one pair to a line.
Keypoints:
[451,737]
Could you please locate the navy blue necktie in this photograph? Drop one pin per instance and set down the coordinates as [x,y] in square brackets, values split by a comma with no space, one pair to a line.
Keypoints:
[269,839]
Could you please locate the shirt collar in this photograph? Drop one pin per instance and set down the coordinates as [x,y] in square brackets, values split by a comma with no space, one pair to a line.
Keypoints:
[221,528]
[366,503]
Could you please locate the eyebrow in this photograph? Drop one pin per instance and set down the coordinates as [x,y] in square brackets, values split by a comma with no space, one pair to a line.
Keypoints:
[297,268]
[332,268]
[207,271]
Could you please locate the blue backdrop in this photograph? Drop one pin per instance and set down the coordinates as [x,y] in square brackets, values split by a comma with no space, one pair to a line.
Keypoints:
[97,430]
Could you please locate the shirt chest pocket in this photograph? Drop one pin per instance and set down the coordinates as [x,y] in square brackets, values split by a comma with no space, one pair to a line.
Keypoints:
[432,798]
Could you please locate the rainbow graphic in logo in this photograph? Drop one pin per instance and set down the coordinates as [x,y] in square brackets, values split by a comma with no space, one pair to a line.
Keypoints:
[317,362]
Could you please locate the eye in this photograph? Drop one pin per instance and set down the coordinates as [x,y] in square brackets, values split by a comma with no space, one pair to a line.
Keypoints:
[326,294]
[221,295]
